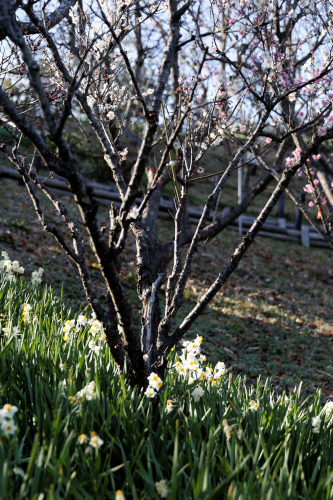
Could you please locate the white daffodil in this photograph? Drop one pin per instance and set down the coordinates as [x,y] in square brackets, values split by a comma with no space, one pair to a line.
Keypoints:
[83,439]
[89,392]
[26,312]
[36,276]
[181,369]
[316,424]
[7,265]
[162,488]
[150,392]
[169,406]
[226,428]
[95,441]
[219,370]
[154,381]
[94,347]
[8,427]
[8,411]
[15,266]
[81,320]
[119,495]
[254,405]
[96,327]
[197,393]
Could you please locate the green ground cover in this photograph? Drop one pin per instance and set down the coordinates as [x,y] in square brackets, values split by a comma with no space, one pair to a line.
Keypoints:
[233,441]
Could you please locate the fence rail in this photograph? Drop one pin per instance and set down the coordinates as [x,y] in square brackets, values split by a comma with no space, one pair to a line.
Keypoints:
[277,228]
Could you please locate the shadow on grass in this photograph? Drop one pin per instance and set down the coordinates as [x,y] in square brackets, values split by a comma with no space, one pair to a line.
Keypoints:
[269,344]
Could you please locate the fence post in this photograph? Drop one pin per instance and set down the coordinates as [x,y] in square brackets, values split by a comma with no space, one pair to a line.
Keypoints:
[305,236]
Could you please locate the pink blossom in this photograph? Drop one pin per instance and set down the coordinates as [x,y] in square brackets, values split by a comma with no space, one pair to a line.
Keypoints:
[312,172]
[324,202]
[311,203]
[316,182]
[289,161]
[297,153]
[299,172]
[268,140]
[316,157]
[309,189]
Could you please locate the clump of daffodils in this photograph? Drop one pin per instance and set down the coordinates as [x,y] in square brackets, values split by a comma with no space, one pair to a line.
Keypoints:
[155,383]
[72,326]
[99,337]
[89,392]
[7,424]
[68,329]
[9,268]
[11,330]
[93,442]
[26,312]
[190,364]
[36,276]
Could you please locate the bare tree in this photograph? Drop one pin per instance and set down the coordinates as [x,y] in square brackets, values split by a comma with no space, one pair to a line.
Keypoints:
[187,77]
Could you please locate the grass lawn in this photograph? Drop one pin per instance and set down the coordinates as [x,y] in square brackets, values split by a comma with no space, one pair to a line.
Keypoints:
[71,428]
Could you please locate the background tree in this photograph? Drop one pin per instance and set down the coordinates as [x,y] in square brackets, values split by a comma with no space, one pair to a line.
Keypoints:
[174,80]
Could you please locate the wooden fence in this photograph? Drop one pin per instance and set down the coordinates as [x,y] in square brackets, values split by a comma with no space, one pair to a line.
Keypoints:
[278,228]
